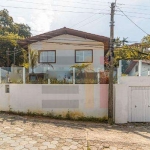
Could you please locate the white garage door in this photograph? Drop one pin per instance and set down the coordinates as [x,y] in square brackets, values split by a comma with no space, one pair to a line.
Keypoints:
[140,104]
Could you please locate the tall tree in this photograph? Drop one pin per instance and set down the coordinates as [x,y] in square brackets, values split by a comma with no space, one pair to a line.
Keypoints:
[10,33]
[8,25]
[9,43]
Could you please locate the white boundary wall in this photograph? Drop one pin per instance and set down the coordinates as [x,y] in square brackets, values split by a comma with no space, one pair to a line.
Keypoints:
[89,100]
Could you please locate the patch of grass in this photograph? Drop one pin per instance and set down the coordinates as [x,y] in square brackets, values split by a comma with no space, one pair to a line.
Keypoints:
[68,116]
[93,119]
[88,146]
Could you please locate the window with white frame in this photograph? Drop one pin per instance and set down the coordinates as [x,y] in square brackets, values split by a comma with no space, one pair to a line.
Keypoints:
[48,56]
[83,56]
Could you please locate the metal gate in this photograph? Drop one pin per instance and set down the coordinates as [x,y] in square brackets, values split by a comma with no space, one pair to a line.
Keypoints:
[139,104]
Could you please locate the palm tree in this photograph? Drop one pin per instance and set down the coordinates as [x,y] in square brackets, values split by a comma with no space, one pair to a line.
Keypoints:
[82,70]
[33,59]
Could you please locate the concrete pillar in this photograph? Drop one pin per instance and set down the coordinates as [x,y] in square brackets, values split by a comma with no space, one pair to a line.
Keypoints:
[73,75]
[49,81]
[24,75]
[148,72]
[0,76]
[140,68]
[119,71]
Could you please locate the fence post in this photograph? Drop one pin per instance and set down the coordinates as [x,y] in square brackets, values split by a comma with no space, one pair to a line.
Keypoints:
[49,81]
[0,76]
[74,75]
[119,71]
[24,75]
[140,68]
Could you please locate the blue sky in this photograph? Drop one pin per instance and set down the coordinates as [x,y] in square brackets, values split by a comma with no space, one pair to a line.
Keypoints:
[53,17]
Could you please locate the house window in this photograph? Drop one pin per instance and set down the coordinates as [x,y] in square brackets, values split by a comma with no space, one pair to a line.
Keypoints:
[84,56]
[136,68]
[48,56]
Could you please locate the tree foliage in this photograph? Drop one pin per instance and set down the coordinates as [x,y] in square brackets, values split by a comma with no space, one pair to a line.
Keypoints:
[10,33]
[7,25]
[137,51]
[8,43]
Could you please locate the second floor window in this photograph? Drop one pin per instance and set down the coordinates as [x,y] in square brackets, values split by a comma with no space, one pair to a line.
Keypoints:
[48,56]
[84,56]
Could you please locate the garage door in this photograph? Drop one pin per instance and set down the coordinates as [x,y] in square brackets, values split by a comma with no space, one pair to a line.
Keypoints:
[140,104]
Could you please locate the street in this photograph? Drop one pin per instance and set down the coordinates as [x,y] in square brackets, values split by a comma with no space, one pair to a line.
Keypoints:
[36,133]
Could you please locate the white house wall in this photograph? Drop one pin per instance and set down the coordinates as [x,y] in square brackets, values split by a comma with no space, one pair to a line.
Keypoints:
[65,53]
[145,68]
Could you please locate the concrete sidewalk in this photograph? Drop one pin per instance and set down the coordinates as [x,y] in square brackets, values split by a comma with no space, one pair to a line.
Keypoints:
[28,133]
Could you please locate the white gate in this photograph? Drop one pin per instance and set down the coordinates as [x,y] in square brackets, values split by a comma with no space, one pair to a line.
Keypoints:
[139,104]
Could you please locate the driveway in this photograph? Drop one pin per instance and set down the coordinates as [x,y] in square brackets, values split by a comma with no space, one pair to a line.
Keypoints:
[29,133]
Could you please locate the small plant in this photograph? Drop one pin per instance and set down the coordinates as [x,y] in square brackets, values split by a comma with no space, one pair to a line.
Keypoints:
[88,146]
[50,114]
[56,81]
[68,116]
[86,81]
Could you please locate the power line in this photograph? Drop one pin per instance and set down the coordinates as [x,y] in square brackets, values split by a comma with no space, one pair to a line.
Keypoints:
[134,8]
[83,20]
[91,21]
[11,52]
[52,10]
[54,4]
[67,1]
[61,0]
[134,5]
[81,3]
[133,16]
[71,11]
[136,12]
[133,21]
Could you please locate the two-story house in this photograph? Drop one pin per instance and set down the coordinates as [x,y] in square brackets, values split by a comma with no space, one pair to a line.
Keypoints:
[65,47]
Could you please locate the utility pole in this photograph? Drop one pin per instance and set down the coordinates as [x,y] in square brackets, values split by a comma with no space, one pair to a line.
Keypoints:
[7,53]
[111,52]
[14,55]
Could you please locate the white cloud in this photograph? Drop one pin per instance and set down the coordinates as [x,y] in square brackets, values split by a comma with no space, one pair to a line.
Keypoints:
[40,21]
[46,20]
[20,20]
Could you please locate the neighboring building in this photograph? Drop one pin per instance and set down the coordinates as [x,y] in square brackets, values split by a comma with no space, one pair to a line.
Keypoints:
[65,47]
[133,68]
